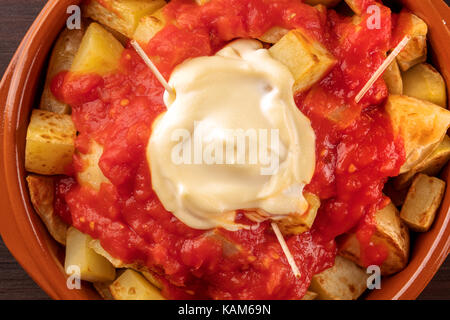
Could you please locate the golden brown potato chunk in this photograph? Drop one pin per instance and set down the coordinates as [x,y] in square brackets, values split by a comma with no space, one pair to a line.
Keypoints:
[298,223]
[415,51]
[393,78]
[121,15]
[422,202]
[307,59]
[50,142]
[391,232]
[431,166]
[149,26]
[422,125]
[42,194]
[61,60]
[425,83]
[344,281]
[99,52]
[92,266]
[133,286]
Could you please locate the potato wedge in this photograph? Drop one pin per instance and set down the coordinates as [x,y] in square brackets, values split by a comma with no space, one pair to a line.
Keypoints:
[50,142]
[426,83]
[61,60]
[296,224]
[393,78]
[415,51]
[42,194]
[308,60]
[121,15]
[391,232]
[93,267]
[344,281]
[421,124]
[149,26]
[422,202]
[327,3]
[133,286]
[430,166]
[99,52]
[92,175]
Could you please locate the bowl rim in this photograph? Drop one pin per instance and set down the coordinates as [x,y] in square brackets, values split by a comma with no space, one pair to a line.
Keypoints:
[18,220]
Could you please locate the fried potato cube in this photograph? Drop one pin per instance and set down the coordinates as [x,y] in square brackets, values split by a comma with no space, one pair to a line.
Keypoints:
[344,281]
[430,166]
[415,51]
[273,35]
[121,15]
[422,202]
[149,26]
[426,83]
[61,59]
[93,267]
[422,125]
[390,232]
[133,286]
[393,78]
[327,3]
[99,52]
[92,175]
[201,2]
[42,194]
[50,142]
[298,223]
[307,60]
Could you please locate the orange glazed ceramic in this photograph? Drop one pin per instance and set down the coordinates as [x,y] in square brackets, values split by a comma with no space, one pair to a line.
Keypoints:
[30,243]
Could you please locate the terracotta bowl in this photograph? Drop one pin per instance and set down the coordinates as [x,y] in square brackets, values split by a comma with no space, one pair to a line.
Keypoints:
[32,246]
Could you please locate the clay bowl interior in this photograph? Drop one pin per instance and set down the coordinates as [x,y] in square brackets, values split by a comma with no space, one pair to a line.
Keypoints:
[43,259]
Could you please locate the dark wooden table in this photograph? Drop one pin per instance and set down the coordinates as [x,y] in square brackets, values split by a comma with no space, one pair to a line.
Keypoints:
[15,18]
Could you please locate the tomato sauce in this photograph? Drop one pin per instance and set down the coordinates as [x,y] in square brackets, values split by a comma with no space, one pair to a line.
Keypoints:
[356,153]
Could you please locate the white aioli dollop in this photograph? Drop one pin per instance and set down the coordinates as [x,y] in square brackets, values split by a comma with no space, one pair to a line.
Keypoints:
[241,89]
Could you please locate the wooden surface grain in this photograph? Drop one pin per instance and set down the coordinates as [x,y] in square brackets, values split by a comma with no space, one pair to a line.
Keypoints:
[15,18]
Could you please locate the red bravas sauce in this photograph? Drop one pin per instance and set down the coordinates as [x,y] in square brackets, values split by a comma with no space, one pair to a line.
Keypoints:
[356,153]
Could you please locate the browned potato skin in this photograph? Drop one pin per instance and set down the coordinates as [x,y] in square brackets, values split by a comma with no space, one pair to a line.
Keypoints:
[344,281]
[422,202]
[42,193]
[391,232]
[61,59]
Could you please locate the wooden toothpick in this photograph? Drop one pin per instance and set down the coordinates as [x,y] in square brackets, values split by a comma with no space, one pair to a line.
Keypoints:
[382,68]
[152,67]
[286,251]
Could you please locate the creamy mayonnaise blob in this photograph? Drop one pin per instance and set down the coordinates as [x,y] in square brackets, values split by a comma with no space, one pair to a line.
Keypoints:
[232,138]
